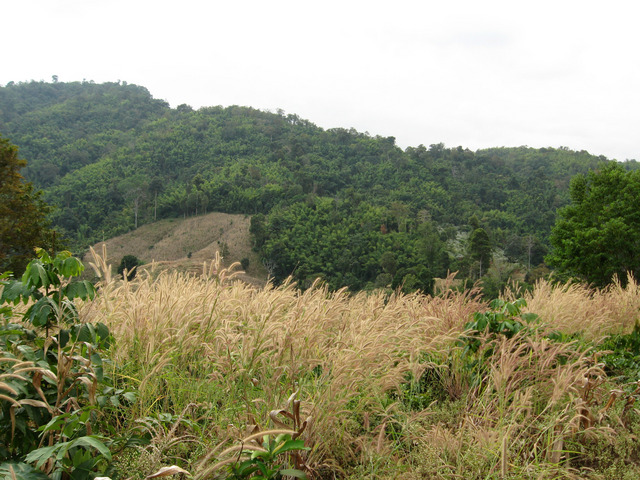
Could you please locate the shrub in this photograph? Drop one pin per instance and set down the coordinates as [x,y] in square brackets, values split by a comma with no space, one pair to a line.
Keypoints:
[130,264]
[504,318]
[623,355]
[244,263]
[51,372]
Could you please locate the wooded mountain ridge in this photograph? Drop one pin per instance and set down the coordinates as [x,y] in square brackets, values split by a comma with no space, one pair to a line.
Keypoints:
[352,208]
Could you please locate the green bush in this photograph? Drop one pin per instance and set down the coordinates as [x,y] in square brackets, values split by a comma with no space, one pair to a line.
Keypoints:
[130,264]
[51,372]
[504,318]
[244,263]
[623,357]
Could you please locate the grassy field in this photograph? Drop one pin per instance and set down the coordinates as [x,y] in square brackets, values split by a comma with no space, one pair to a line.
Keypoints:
[377,386]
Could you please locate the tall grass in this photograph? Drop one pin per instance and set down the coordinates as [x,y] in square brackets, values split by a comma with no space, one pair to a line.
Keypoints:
[576,308]
[234,353]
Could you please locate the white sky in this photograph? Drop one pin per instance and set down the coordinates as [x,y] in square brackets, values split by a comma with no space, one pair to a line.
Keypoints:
[463,72]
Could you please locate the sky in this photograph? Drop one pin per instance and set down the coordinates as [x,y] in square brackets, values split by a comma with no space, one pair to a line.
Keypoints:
[473,73]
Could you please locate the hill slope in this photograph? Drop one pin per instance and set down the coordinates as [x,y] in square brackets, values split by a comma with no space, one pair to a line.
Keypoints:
[184,244]
[112,158]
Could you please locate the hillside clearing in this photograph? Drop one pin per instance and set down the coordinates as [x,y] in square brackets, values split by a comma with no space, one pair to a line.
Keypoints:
[185,243]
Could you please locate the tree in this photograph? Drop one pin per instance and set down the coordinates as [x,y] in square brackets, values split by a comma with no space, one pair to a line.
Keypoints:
[480,248]
[135,190]
[597,236]
[23,223]
[389,263]
[156,186]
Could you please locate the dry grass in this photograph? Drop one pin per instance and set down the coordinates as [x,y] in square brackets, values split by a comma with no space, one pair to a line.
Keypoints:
[342,352]
[575,308]
[537,403]
[239,351]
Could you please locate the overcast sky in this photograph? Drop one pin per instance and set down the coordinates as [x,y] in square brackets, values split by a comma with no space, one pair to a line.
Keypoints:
[467,72]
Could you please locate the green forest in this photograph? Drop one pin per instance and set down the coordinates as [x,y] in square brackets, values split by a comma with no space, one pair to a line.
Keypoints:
[347,207]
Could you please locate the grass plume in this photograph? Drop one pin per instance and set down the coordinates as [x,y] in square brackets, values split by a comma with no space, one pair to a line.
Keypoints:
[236,351]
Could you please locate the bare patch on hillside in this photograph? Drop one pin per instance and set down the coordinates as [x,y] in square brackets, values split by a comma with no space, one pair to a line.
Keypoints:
[185,244]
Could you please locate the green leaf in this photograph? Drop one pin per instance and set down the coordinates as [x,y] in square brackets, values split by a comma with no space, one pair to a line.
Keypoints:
[259,454]
[103,337]
[55,423]
[86,333]
[63,337]
[80,289]
[41,455]
[22,471]
[69,266]
[80,457]
[12,332]
[96,359]
[129,396]
[43,255]
[41,311]
[520,302]
[35,275]
[496,304]
[93,441]
[14,291]
[512,309]
[71,428]
[292,472]
[246,468]
[530,317]
[290,445]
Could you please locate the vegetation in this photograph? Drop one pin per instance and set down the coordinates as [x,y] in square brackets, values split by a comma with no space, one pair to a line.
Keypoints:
[23,224]
[128,264]
[340,367]
[350,245]
[52,373]
[233,381]
[111,158]
[597,236]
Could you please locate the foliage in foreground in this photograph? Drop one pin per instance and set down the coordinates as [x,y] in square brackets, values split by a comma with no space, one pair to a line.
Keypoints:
[388,385]
[52,373]
[363,386]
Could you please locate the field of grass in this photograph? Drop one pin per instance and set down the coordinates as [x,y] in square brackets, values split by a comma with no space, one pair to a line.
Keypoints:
[384,381]
[376,386]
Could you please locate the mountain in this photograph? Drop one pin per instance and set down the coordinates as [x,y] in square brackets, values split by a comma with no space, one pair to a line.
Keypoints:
[111,158]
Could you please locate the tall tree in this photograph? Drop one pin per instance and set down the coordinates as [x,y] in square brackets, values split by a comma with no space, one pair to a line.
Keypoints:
[156,186]
[23,224]
[135,190]
[597,236]
[480,249]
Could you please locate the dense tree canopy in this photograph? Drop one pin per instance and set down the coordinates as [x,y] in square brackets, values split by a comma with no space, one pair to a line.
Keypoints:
[597,236]
[110,158]
[354,245]
[23,224]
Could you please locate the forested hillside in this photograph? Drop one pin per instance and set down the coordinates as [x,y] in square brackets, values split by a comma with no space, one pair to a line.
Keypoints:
[346,206]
